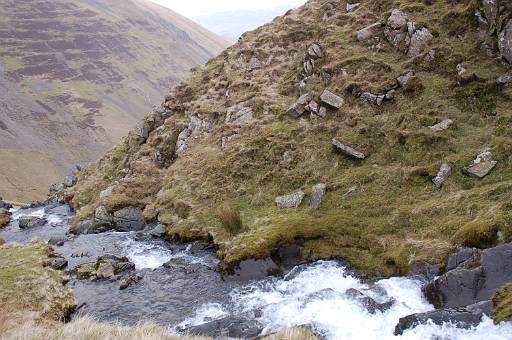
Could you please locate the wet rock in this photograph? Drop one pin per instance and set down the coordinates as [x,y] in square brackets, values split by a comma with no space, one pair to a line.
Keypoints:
[252,269]
[159,231]
[291,201]
[368,303]
[462,317]
[347,150]
[56,187]
[444,125]
[58,263]
[239,327]
[317,195]
[129,281]
[26,222]
[369,31]
[463,287]
[70,181]
[465,258]
[299,107]
[442,175]
[107,267]
[129,219]
[102,215]
[331,99]
[353,7]
[289,255]
[505,42]
[481,166]
[424,271]
[240,115]
[57,241]
[315,51]
[404,79]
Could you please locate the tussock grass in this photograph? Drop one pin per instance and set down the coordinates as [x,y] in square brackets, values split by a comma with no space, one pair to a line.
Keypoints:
[502,300]
[294,333]
[230,219]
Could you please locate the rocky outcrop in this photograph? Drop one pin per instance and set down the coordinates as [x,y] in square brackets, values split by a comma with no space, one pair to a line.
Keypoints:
[481,166]
[197,127]
[240,114]
[497,20]
[347,150]
[129,219]
[405,36]
[108,267]
[474,278]
[462,317]
[368,303]
[26,222]
[291,201]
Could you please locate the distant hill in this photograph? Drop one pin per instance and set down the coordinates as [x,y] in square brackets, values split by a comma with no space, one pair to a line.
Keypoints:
[76,75]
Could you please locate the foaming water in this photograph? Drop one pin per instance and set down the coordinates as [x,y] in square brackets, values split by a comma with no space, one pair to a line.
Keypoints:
[146,255]
[314,295]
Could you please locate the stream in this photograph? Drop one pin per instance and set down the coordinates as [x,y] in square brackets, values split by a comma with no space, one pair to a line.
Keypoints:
[188,292]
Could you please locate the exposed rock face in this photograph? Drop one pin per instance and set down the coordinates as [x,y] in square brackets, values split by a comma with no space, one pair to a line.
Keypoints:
[347,150]
[462,317]
[317,195]
[481,166]
[26,222]
[464,258]
[442,175]
[240,114]
[419,41]
[444,125]
[195,128]
[505,42]
[404,36]
[291,201]
[129,219]
[467,284]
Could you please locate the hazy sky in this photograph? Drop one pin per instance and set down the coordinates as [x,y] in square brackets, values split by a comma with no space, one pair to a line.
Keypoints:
[197,8]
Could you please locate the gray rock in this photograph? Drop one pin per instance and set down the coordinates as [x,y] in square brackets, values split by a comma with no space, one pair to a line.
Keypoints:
[490,8]
[347,150]
[58,263]
[56,187]
[368,303]
[442,175]
[299,107]
[331,99]
[369,31]
[397,20]
[372,99]
[5,205]
[75,170]
[309,67]
[242,326]
[322,112]
[26,222]
[291,201]
[430,56]
[57,241]
[129,281]
[463,287]
[312,107]
[419,42]
[101,214]
[404,79]
[129,219]
[462,317]
[504,80]
[424,271]
[70,181]
[108,191]
[315,51]
[254,64]
[317,195]
[465,258]
[444,125]
[353,7]
[481,166]
[159,231]
[240,115]
[505,42]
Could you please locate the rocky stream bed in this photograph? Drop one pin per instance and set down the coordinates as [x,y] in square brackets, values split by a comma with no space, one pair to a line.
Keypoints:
[129,277]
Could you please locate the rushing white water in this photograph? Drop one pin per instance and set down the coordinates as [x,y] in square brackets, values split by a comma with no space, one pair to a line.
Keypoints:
[313,295]
[146,255]
[40,213]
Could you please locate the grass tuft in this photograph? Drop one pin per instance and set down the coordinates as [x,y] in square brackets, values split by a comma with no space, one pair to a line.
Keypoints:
[230,219]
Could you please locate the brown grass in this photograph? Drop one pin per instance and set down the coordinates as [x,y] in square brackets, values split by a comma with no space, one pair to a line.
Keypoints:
[295,333]
[230,219]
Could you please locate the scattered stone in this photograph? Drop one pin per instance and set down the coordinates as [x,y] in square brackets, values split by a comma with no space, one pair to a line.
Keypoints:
[505,42]
[397,20]
[331,99]
[291,201]
[254,64]
[430,56]
[309,67]
[322,112]
[369,31]
[461,69]
[75,169]
[129,281]
[58,263]
[129,219]
[475,279]
[315,51]
[57,241]
[442,175]
[195,127]
[240,115]
[56,187]
[404,79]
[317,195]
[444,125]
[347,150]
[404,35]
[353,7]
[300,105]
[504,80]
[107,267]
[462,317]
[481,166]
[372,99]
[26,222]
[312,107]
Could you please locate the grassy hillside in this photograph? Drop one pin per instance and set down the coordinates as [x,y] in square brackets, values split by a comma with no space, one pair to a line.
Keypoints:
[381,213]
[77,75]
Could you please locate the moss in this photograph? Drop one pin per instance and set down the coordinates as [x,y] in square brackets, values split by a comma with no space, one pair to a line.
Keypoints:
[502,300]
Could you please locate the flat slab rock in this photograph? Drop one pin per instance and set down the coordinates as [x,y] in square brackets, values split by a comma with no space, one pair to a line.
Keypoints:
[331,99]
[481,166]
[291,201]
[444,125]
[347,150]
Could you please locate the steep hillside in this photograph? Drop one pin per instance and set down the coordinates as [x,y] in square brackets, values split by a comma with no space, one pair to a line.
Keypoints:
[413,99]
[76,76]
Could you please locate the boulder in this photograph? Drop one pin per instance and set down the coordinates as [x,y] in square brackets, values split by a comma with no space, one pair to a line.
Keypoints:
[57,241]
[505,42]
[129,219]
[107,267]
[129,281]
[419,42]
[90,227]
[26,222]
[5,205]
[242,326]
[466,285]
[317,195]
[331,99]
[442,175]
[368,303]
[347,150]
[108,191]
[102,215]
[291,201]
[159,231]
[504,80]
[369,31]
[462,317]
[299,107]
[444,125]
[315,51]
[58,263]
[481,166]
[397,20]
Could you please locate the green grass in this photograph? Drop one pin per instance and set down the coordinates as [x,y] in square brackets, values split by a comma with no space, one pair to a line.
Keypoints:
[503,304]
